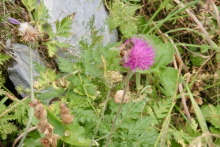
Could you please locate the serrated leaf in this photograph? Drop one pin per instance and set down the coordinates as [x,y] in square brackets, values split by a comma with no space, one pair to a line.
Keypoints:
[121,15]
[3,58]
[168,77]
[30,4]
[181,137]
[51,48]
[161,109]
[63,27]
[41,13]
[83,116]
[65,65]
[45,78]
[211,114]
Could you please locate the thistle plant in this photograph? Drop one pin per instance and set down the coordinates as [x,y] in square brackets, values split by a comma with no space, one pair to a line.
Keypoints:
[140,57]
[29,35]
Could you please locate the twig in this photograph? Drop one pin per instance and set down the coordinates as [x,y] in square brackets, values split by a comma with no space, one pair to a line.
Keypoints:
[11,97]
[183,98]
[21,135]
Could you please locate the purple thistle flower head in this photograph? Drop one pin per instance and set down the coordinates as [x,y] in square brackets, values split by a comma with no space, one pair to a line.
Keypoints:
[13,21]
[141,56]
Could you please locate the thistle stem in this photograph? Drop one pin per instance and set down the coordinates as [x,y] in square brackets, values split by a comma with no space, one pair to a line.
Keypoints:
[130,73]
[32,97]
[138,82]
[102,116]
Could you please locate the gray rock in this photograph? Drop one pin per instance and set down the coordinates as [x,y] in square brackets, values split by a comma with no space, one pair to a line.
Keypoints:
[19,71]
[84,10]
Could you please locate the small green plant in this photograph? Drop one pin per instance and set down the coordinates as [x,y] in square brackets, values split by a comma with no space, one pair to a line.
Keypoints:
[164,91]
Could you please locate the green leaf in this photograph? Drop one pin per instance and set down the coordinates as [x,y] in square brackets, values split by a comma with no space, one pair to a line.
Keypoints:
[63,27]
[62,44]
[51,48]
[66,66]
[161,109]
[74,133]
[196,60]
[129,29]
[45,78]
[181,137]
[164,54]
[53,45]
[168,78]
[41,13]
[112,25]
[121,15]
[199,116]
[30,4]
[3,58]
[211,113]
[51,93]
[32,142]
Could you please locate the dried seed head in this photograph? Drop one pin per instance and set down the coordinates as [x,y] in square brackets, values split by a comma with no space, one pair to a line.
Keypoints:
[42,126]
[113,77]
[65,114]
[45,142]
[34,103]
[67,119]
[40,112]
[64,109]
[118,97]
[28,33]
[54,141]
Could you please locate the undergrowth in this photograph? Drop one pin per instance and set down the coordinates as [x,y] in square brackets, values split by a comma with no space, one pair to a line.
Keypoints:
[174,103]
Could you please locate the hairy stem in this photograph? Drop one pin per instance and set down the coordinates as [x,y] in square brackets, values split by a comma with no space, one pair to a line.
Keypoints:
[32,97]
[102,116]
[130,73]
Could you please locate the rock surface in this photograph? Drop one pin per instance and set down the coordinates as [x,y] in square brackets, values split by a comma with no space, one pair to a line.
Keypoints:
[84,10]
[19,72]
